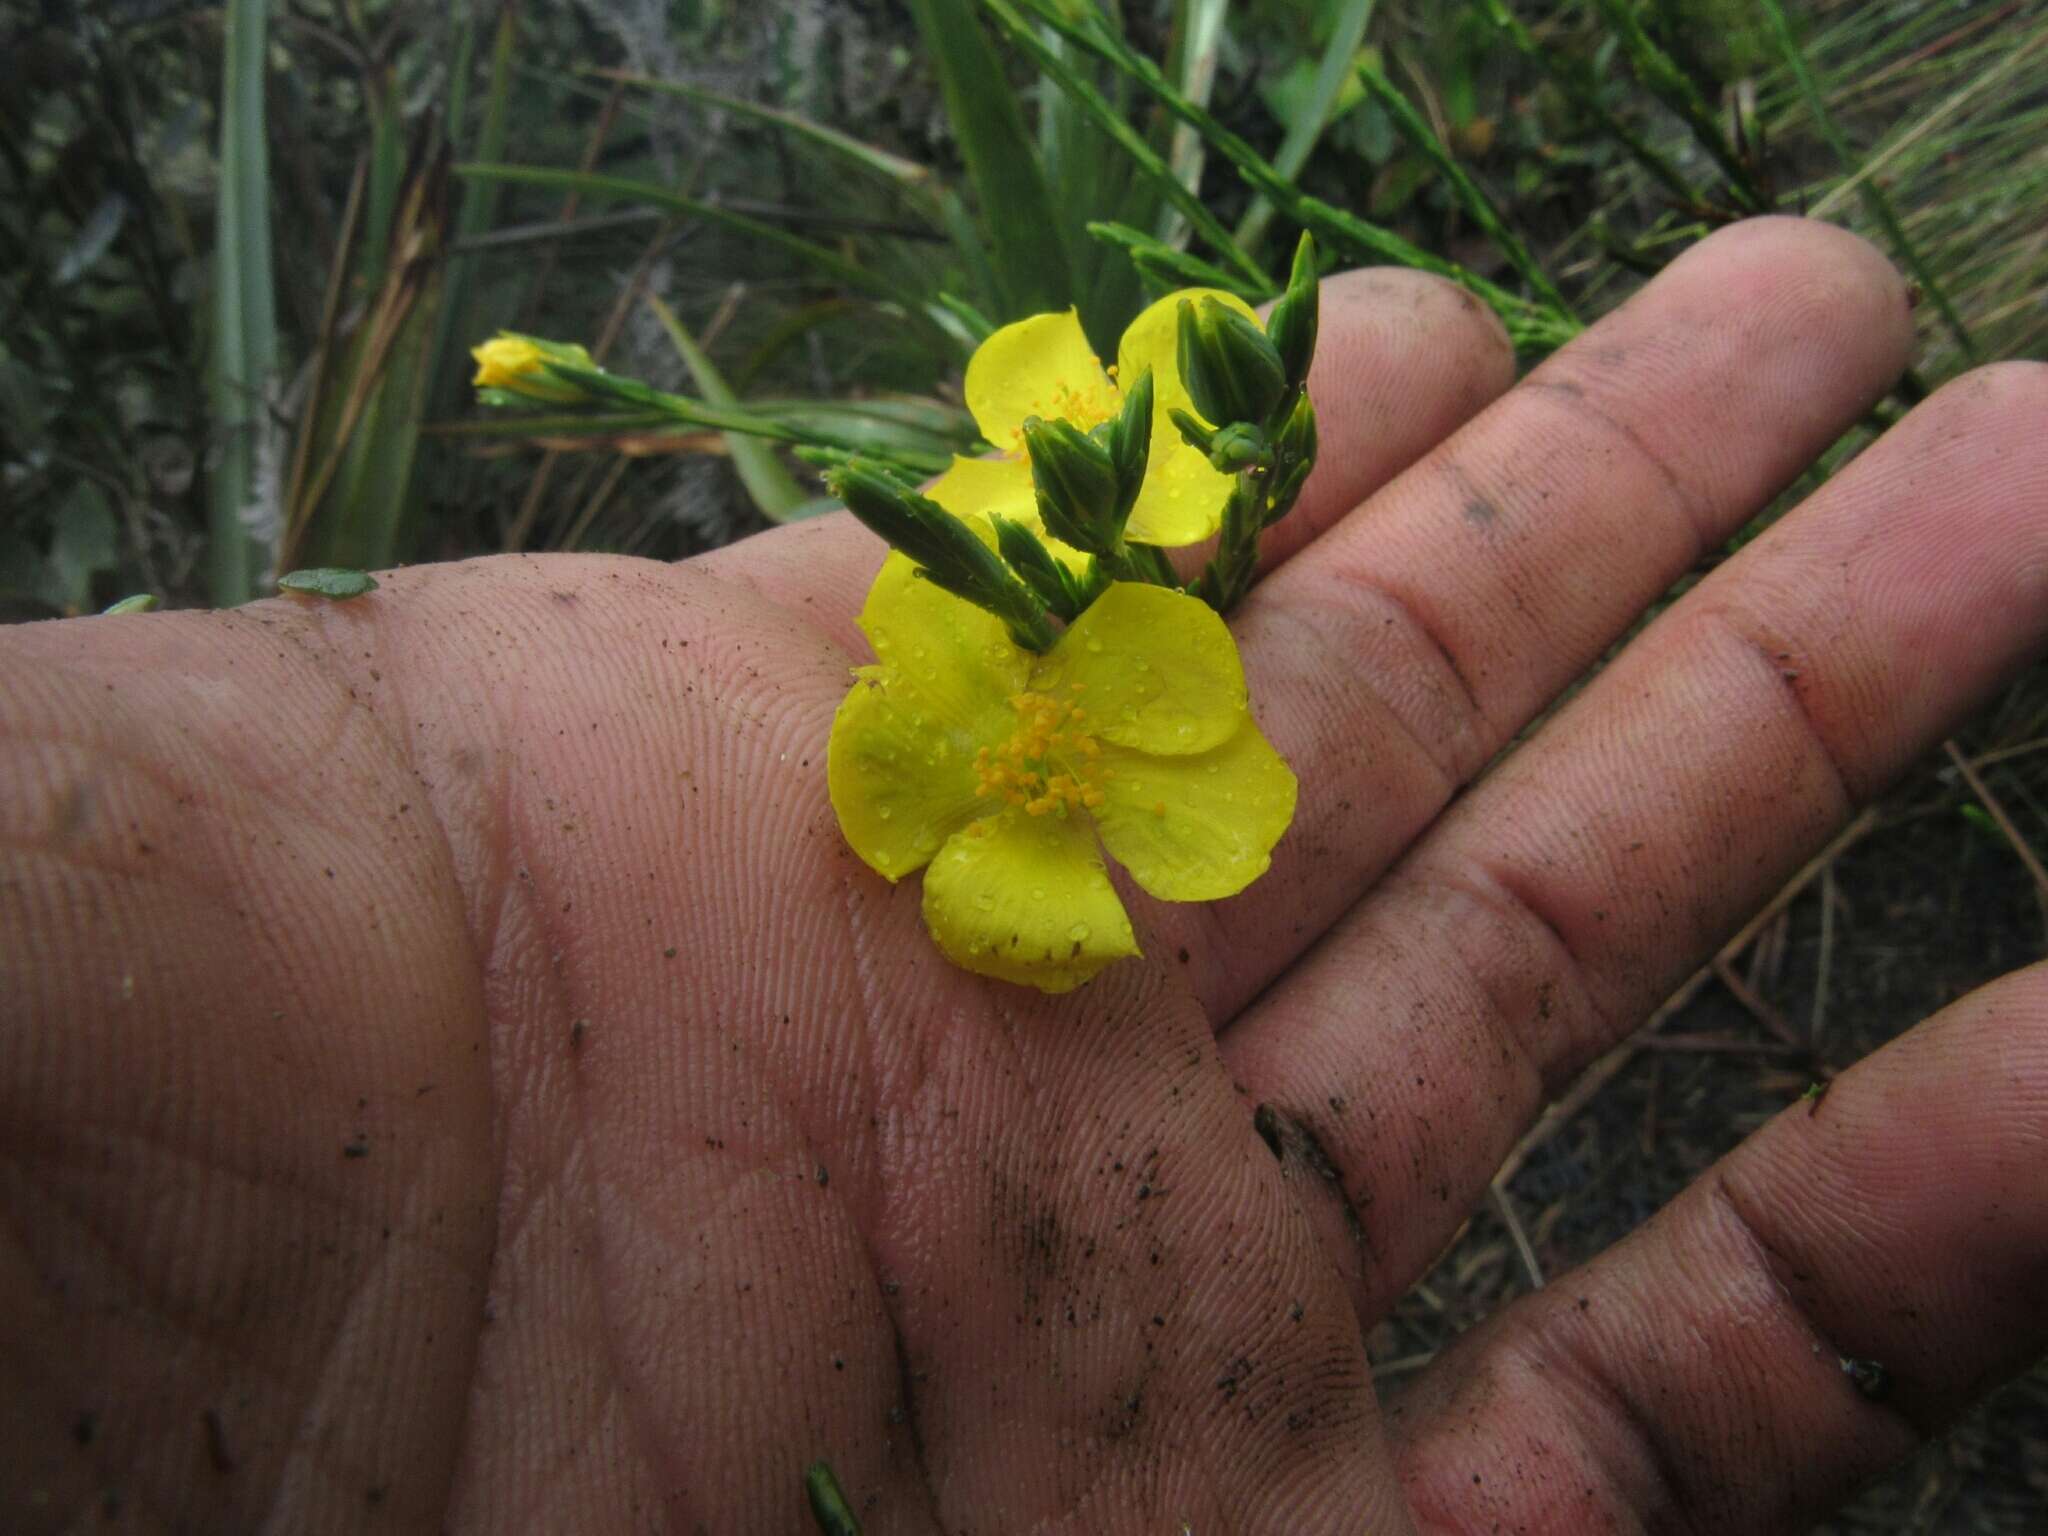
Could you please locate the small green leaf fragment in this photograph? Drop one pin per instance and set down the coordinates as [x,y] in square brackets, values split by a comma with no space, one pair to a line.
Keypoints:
[328,581]
[141,602]
[829,1508]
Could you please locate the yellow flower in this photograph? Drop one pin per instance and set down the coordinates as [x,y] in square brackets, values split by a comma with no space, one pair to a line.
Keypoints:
[1043,367]
[1000,769]
[514,364]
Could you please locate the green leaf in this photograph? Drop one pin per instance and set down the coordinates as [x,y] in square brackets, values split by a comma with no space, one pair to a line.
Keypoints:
[331,581]
[244,305]
[141,602]
[1308,103]
[1009,183]
[773,488]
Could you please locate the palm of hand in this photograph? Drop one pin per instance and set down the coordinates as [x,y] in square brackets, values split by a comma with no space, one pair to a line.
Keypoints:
[575,1135]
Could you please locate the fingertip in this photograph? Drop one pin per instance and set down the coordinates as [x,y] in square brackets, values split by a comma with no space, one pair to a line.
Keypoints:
[1807,281]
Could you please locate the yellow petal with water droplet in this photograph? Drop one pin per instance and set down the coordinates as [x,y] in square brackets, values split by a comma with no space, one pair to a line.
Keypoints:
[1038,366]
[1223,812]
[1158,670]
[1029,901]
[895,806]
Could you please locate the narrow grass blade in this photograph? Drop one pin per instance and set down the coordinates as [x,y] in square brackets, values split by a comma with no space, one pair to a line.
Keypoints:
[1571,76]
[1149,162]
[773,488]
[1347,36]
[1165,267]
[1662,78]
[1198,39]
[1009,183]
[617,188]
[478,211]
[245,349]
[893,171]
[350,506]
[1470,195]
[1874,201]
[1533,326]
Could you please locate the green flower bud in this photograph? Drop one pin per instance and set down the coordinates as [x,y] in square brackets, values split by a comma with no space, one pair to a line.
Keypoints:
[1238,447]
[1078,487]
[1129,439]
[1231,370]
[1291,326]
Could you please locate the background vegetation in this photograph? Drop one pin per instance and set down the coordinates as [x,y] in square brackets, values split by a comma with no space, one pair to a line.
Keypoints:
[244,248]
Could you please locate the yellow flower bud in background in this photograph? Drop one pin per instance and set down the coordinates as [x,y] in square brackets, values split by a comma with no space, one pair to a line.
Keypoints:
[518,365]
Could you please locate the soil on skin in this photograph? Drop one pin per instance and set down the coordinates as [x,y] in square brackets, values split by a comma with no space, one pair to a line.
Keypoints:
[1926,908]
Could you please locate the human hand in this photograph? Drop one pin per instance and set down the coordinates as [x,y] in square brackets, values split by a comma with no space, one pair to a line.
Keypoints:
[455,1074]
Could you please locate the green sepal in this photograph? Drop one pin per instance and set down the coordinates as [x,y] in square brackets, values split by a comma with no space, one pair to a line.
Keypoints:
[1231,370]
[1292,325]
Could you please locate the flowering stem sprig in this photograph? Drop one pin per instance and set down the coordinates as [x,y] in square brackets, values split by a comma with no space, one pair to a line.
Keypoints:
[947,552]
[560,379]
[1254,385]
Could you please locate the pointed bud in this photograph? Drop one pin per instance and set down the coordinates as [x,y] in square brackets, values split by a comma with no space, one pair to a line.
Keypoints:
[1042,573]
[1231,370]
[948,552]
[1129,437]
[1076,479]
[1291,326]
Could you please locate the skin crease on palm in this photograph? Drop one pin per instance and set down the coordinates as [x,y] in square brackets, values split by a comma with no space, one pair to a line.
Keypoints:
[455,1076]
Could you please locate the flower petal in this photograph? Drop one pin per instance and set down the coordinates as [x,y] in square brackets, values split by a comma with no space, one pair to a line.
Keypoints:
[1182,499]
[1196,828]
[902,780]
[1040,366]
[981,487]
[1158,671]
[1153,341]
[940,654]
[1027,899]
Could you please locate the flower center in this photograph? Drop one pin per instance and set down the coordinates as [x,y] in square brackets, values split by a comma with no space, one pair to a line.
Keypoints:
[1087,405]
[1049,762]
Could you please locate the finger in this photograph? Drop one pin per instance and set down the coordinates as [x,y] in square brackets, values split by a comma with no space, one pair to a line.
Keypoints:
[1554,906]
[1405,359]
[1415,639]
[1693,1378]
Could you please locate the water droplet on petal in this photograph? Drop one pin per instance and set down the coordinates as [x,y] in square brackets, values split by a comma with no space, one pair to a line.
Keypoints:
[1078,933]
[1038,893]
[986,902]
[885,813]
[1094,646]
[1184,730]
